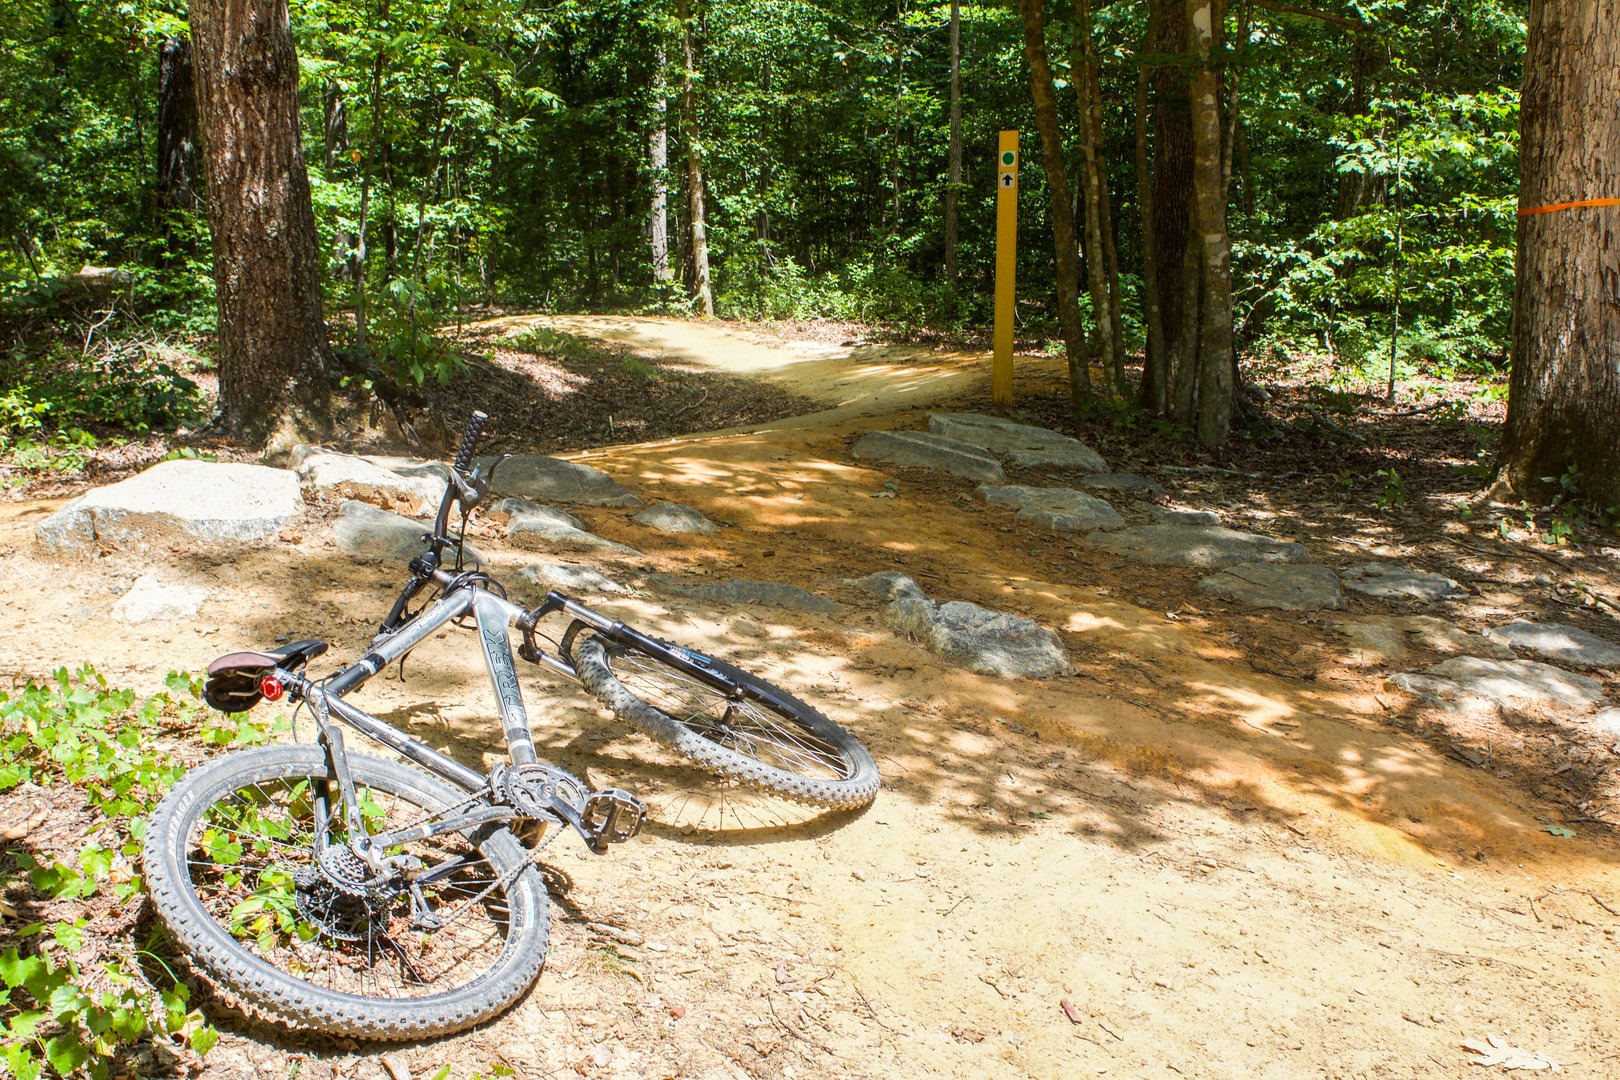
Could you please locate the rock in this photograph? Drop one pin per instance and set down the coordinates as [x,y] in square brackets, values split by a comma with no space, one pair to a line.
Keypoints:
[1017,444]
[151,597]
[214,504]
[545,528]
[362,529]
[1178,515]
[928,451]
[983,641]
[1059,509]
[1387,581]
[536,476]
[1372,643]
[1195,545]
[1119,481]
[764,593]
[1608,722]
[1511,684]
[886,585]
[569,577]
[1286,586]
[1378,640]
[671,517]
[1559,643]
[352,477]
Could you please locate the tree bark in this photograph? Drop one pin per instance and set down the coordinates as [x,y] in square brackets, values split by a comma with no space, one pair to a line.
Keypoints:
[953,182]
[701,291]
[1094,193]
[1065,244]
[1155,389]
[658,165]
[1564,394]
[1215,354]
[273,358]
[177,126]
[1175,278]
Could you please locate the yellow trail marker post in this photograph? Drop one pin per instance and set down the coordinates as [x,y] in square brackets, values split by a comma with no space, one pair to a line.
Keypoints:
[1001,364]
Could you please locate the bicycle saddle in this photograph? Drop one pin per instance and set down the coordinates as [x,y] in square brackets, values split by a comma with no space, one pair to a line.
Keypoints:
[233,679]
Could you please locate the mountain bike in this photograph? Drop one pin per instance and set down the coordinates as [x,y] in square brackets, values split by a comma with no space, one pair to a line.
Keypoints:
[355,895]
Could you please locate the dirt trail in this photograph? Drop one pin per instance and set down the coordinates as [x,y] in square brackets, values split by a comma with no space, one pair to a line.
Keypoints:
[1169,864]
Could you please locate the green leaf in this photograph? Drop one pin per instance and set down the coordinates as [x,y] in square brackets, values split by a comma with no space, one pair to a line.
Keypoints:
[17,971]
[1559,830]
[65,1052]
[204,1039]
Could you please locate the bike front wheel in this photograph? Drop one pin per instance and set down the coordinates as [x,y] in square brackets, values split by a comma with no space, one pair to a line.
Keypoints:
[757,734]
[232,868]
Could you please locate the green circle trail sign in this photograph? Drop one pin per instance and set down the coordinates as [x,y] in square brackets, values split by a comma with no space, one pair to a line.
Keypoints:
[1009,158]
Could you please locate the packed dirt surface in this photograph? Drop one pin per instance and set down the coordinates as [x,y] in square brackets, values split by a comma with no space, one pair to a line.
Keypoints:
[1220,848]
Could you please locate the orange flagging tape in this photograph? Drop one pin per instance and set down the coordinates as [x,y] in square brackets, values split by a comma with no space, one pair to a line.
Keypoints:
[1568,206]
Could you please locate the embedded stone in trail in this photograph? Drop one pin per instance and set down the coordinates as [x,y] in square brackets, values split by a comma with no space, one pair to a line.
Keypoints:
[928,451]
[1474,684]
[351,477]
[1059,509]
[536,476]
[764,593]
[213,504]
[545,528]
[1195,545]
[1558,643]
[1017,444]
[153,597]
[1286,586]
[886,585]
[1608,722]
[362,529]
[1127,482]
[1179,515]
[983,641]
[671,517]
[569,577]
[1386,581]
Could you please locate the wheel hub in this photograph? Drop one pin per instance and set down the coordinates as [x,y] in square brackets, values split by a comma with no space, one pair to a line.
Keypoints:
[343,897]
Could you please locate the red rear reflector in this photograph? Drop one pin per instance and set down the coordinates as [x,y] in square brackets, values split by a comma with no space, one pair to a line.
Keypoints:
[271,688]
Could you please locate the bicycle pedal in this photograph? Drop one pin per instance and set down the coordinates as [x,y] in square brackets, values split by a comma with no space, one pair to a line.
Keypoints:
[612,816]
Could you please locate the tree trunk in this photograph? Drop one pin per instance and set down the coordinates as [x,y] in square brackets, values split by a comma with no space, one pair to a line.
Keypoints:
[1155,389]
[1564,396]
[1057,180]
[953,182]
[273,359]
[177,126]
[1175,279]
[1215,356]
[658,164]
[701,291]
[1094,195]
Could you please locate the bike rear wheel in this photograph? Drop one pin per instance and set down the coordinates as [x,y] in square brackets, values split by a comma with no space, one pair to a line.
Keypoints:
[231,867]
[760,735]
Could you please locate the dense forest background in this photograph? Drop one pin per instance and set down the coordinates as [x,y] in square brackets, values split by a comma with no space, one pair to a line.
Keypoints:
[497,151]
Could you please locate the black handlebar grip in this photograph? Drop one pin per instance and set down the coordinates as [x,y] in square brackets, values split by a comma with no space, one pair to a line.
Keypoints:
[469,440]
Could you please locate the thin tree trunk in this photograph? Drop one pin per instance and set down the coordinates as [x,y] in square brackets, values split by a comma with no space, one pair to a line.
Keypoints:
[1563,417]
[658,162]
[1215,355]
[953,182]
[1155,390]
[1094,193]
[701,291]
[334,127]
[273,356]
[1057,179]
[177,126]
[1176,278]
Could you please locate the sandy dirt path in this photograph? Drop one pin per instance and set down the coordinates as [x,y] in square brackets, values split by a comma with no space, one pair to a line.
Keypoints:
[1168,864]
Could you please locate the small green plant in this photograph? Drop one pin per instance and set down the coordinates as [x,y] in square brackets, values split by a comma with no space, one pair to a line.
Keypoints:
[1394,489]
[638,368]
[61,1017]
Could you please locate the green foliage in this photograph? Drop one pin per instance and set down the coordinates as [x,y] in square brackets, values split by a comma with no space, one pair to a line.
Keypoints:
[63,1015]
[1394,494]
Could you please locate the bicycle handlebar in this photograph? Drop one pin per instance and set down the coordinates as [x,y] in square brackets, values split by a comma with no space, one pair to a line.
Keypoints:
[469,440]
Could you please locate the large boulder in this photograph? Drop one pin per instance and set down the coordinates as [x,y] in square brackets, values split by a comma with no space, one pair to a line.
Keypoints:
[983,641]
[202,503]
[535,476]
[1017,444]
[929,451]
[362,529]
[349,477]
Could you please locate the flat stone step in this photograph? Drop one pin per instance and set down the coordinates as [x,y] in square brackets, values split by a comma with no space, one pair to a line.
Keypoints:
[1559,643]
[1017,444]
[1194,545]
[669,517]
[1475,684]
[549,479]
[1284,586]
[1389,581]
[924,450]
[363,529]
[1058,509]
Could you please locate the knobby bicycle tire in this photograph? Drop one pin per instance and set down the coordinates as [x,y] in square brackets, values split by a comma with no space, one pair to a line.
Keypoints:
[762,737]
[221,854]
